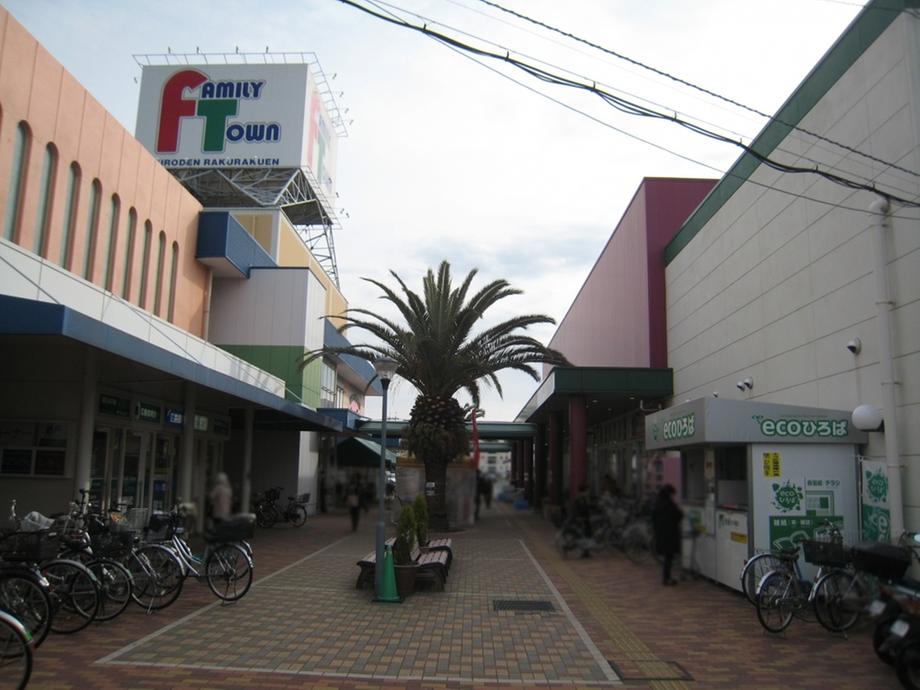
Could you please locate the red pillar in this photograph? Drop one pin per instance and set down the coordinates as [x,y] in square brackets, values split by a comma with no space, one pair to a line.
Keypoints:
[554,448]
[578,456]
[539,466]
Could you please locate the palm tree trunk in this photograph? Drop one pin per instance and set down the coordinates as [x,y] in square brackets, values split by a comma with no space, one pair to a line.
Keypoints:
[436,471]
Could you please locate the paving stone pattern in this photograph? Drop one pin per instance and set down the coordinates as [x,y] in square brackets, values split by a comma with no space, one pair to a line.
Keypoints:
[303,625]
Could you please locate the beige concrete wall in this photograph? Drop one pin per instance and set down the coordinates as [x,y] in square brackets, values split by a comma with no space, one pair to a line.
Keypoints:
[37,90]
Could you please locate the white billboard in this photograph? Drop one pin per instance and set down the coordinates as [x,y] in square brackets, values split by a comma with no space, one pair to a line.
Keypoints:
[236,116]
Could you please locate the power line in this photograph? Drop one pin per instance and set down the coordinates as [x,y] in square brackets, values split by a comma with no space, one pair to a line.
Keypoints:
[632,108]
[691,85]
[386,7]
[665,149]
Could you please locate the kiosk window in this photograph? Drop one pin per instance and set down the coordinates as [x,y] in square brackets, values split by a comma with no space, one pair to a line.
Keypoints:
[694,471]
[731,463]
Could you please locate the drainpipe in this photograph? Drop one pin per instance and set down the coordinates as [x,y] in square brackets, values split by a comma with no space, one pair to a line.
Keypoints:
[883,303]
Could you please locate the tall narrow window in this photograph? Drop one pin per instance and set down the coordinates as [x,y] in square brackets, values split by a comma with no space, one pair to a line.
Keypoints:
[114,212]
[17,182]
[70,217]
[49,173]
[145,264]
[173,277]
[158,285]
[92,229]
[129,254]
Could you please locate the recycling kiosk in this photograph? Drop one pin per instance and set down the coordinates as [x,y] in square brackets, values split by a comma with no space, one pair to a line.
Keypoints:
[757,476]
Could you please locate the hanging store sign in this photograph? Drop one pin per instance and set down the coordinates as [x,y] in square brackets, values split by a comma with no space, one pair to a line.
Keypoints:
[174,417]
[146,412]
[112,405]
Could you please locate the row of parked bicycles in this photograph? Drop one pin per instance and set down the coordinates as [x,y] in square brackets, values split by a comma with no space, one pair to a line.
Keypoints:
[63,573]
[616,524]
[269,511]
[869,579]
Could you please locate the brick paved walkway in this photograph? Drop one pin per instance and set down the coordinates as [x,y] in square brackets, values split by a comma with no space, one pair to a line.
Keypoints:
[304,625]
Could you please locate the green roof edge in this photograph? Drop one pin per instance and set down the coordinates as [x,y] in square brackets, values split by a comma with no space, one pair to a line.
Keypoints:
[875,17]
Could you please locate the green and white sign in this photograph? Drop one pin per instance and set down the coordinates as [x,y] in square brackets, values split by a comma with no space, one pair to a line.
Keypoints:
[788,496]
[876,516]
[718,420]
[787,531]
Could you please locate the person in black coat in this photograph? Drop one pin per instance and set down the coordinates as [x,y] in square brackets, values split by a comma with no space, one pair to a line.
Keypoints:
[666,517]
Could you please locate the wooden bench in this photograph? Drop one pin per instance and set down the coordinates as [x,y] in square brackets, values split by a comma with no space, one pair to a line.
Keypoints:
[432,565]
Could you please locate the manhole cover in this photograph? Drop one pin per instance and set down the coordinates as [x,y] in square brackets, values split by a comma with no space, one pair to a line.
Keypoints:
[521,605]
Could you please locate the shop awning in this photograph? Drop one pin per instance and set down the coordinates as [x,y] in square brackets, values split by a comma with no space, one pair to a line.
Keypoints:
[355,451]
[131,363]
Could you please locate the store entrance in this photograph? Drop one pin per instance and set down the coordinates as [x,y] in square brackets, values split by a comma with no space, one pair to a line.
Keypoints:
[132,469]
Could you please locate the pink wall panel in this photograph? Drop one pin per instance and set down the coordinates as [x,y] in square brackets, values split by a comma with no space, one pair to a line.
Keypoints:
[607,324]
[618,316]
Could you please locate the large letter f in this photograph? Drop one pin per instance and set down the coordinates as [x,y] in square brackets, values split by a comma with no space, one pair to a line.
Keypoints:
[173,107]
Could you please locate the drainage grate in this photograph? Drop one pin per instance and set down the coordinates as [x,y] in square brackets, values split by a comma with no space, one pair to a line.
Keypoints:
[521,605]
[652,671]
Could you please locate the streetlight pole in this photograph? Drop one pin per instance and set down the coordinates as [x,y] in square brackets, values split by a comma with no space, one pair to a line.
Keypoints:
[386,369]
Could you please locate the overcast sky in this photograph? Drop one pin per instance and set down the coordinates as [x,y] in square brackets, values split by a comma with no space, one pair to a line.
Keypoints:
[449,159]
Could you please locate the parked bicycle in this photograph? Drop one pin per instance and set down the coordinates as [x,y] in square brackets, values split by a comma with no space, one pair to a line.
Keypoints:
[268,511]
[15,652]
[614,525]
[72,588]
[784,593]
[226,563]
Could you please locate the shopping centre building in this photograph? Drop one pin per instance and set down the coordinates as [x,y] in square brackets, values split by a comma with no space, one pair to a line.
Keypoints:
[156,293]
[727,350]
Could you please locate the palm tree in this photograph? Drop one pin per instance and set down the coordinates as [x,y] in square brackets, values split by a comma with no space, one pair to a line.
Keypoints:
[439,354]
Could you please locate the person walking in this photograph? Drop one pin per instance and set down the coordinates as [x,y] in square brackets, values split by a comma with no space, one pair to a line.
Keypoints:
[666,517]
[353,501]
[221,497]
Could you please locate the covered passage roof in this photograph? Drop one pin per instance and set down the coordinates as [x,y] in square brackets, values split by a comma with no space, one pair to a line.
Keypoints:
[608,391]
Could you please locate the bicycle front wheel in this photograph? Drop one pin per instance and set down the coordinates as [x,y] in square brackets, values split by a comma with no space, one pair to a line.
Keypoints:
[229,572]
[839,600]
[15,653]
[29,603]
[158,577]
[115,584]
[775,601]
[74,595]
[298,516]
[754,570]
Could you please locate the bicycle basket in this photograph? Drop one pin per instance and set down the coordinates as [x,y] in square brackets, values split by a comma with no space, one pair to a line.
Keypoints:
[273,494]
[826,553]
[105,543]
[302,499]
[29,546]
[236,528]
[882,560]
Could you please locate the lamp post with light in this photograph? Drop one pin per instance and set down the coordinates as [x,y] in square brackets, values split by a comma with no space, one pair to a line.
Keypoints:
[386,369]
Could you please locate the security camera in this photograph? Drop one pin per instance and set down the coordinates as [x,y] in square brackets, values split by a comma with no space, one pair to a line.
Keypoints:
[740,386]
[715,394]
[855,346]
[748,383]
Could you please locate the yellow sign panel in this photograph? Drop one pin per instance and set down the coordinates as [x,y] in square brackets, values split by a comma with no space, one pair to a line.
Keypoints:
[738,537]
[772,465]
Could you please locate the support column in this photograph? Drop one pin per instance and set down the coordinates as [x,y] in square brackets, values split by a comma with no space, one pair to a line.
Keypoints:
[514,462]
[246,493]
[555,457]
[578,461]
[521,462]
[528,470]
[539,467]
[187,455]
[87,421]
